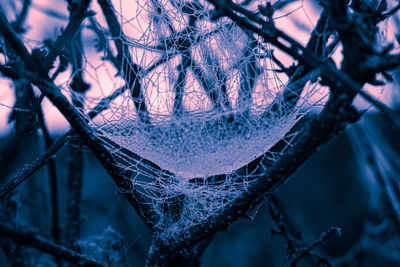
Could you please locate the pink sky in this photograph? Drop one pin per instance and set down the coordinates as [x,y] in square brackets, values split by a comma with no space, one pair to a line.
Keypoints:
[302,17]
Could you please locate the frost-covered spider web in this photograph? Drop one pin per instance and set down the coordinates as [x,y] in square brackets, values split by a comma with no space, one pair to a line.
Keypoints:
[204,100]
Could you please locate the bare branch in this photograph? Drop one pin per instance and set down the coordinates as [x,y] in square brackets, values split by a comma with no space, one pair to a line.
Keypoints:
[78,12]
[271,34]
[299,75]
[185,40]
[81,126]
[12,38]
[74,196]
[389,13]
[52,170]
[19,22]
[180,82]
[28,238]
[30,169]
[295,247]
[129,69]
[317,132]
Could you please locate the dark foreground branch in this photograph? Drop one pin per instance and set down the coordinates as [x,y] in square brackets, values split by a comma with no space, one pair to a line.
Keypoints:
[317,132]
[82,128]
[29,238]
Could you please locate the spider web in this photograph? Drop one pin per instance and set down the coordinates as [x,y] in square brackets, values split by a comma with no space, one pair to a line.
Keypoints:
[206,100]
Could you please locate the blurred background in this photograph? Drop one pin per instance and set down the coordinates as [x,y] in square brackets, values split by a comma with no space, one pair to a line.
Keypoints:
[352,182]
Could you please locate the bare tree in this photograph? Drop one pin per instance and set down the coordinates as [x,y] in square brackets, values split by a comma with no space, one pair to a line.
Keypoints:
[220,135]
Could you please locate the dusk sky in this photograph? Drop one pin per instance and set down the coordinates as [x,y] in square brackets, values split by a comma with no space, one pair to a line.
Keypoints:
[46,17]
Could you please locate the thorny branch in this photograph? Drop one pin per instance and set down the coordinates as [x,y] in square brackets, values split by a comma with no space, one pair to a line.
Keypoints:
[337,113]
[30,169]
[318,131]
[295,247]
[78,123]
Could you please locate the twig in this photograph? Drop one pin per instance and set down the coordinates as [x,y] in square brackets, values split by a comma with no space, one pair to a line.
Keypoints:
[12,39]
[80,125]
[23,118]
[392,115]
[103,43]
[180,83]
[248,75]
[331,232]
[129,69]
[295,247]
[185,39]
[16,255]
[271,34]
[19,22]
[77,14]
[78,83]
[74,196]
[162,13]
[30,169]
[96,145]
[211,89]
[389,13]
[50,12]
[300,74]
[52,179]
[75,162]
[336,115]
[379,162]
[29,238]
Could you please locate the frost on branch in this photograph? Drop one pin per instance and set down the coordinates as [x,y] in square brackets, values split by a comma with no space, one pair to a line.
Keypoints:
[204,100]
